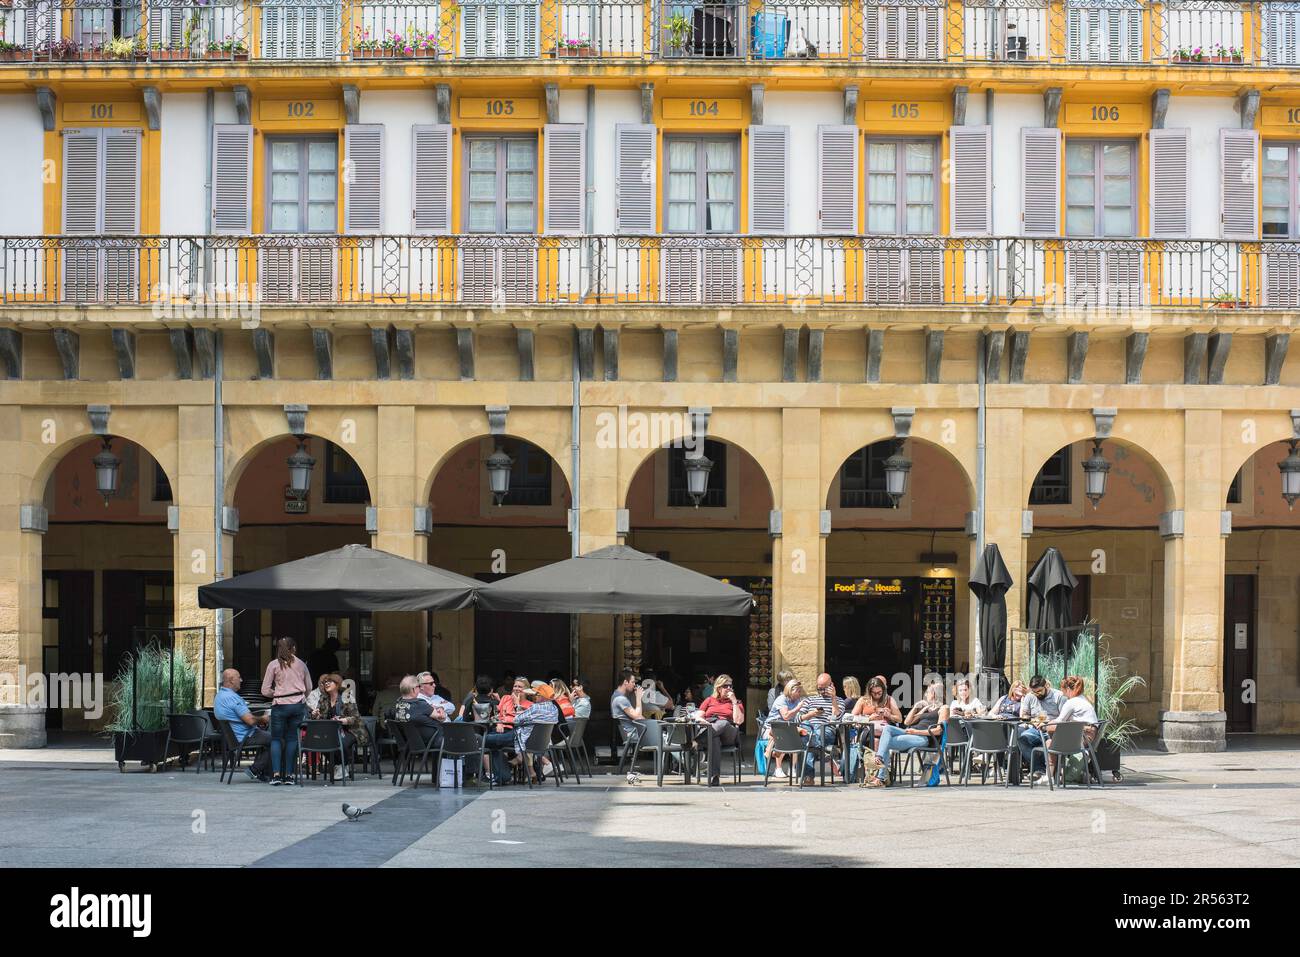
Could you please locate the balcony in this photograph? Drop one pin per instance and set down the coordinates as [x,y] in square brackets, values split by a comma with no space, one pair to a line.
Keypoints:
[1175,33]
[230,276]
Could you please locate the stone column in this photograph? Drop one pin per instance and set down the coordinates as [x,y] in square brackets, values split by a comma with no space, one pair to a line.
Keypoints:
[194,544]
[1192,716]
[799,555]
[1004,506]
[599,504]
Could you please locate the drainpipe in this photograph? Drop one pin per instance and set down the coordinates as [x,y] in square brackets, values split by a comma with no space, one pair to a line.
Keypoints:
[980,417]
[218,411]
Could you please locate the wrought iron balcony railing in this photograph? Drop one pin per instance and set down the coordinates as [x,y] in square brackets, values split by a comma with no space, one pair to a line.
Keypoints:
[233,276]
[1219,33]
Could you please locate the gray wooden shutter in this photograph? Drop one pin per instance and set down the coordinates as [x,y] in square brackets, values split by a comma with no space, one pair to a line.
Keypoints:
[363,184]
[1281,27]
[1239,196]
[121,213]
[634,148]
[1169,184]
[81,182]
[232,179]
[431,179]
[837,179]
[972,180]
[564,184]
[1040,155]
[769,161]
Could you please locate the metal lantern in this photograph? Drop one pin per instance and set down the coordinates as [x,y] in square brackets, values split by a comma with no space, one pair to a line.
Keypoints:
[499,465]
[1290,469]
[697,477]
[896,468]
[300,468]
[1094,474]
[106,469]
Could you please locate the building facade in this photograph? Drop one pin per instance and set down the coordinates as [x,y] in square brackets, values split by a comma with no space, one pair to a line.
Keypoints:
[400,236]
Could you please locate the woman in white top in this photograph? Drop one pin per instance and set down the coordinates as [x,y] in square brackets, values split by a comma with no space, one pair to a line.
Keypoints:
[964,704]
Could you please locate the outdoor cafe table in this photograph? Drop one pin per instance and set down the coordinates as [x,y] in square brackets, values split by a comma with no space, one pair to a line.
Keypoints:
[693,729]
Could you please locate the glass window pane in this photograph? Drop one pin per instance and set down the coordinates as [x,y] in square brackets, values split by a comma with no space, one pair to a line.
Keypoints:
[1078,157]
[722,217]
[1275,222]
[880,188]
[681,154]
[519,217]
[920,220]
[1118,221]
[482,217]
[1118,191]
[321,218]
[1079,221]
[721,186]
[322,186]
[284,155]
[482,154]
[881,156]
[521,154]
[882,218]
[681,187]
[1277,192]
[719,156]
[1275,160]
[1078,190]
[681,217]
[284,217]
[920,188]
[1117,157]
[321,155]
[482,186]
[520,185]
[284,187]
[920,157]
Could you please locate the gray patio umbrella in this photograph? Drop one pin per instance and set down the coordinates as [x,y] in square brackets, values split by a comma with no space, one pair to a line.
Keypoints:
[989,581]
[351,578]
[1051,586]
[615,580]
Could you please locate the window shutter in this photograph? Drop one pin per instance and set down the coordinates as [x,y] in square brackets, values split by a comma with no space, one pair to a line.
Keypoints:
[837,181]
[363,186]
[634,147]
[971,180]
[1239,197]
[1040,154]
[431,179]
[232,179]
[563,170]
[121,182]
[1169,184]
[769,161]
[81,183]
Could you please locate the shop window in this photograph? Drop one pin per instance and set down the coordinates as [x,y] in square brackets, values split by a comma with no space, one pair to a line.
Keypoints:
[1052,484]
[345,483]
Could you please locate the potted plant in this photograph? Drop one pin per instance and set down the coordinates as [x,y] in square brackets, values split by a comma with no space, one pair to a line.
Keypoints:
[231,48]
[1224,54]
[679,32]
[1189,55]
[10,52]
[66,49]
[364,46]
[1227,300]
[573,47]
[153,682]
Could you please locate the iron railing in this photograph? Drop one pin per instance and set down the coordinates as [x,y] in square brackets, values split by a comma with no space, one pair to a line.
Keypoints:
[231,275]
[1219,33]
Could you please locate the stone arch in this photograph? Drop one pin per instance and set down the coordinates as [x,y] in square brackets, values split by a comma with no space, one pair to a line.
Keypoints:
[126,424]
[1267,428]
[457,427]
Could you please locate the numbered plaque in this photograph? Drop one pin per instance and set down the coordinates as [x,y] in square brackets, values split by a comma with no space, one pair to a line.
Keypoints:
[701,108]
[103,111]
[905,112]
[1103,116]
[499,108]
[299,110]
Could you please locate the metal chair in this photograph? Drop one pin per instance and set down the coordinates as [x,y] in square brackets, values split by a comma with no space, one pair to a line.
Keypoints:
[654,737]
[1091,746]
[538,745]
[737,752]
[631,743]
[577,742]
[916,757]
[372,746]
[460,741]
[562,744]
[786,739]
[397,730]
[958,742]
[326,739]
[188,732]
[416,746]
[990,738]
[212,740]
[1065,743]
[234,750]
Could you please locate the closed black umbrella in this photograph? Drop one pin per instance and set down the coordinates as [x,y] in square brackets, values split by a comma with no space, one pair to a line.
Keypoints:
[1049,610]
[989,581]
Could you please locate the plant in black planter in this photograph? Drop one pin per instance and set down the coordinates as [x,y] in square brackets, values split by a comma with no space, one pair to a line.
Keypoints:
[153,682]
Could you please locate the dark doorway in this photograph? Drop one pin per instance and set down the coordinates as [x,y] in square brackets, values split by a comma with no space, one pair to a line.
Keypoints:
[69,601]
[132,599]
[527,644]
[248,644]
[1239,686]
[682,648]
[869,635]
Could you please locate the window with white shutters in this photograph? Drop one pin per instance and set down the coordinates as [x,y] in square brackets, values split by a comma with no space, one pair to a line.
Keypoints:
[769,160]
[232,179]
[302,198]
[902,200]
[1101,201]
[300,29]
[500,198]
[904,31]
[564,170]
[1281,216]
[507,30]
[1040,178]
[431,179]
[363,187]
[972,182]
[1282,36]
[700,198]
[837,179]
[635,169]
[101,196]
[1239,179]
[1104,31]
[1169,183]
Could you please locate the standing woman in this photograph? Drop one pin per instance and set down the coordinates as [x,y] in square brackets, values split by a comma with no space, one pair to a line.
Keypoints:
[287,683]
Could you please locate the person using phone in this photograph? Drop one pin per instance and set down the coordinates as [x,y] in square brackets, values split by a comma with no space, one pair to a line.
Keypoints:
[922,728]
[722,716]
[820,716]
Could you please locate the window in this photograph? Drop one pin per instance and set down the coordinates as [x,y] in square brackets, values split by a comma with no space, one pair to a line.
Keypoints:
[304,185]
[345,483]
[901,187]
[1234,490]
[862,477]
[162,487]
[1279,200]
[715,495]
[501,187]
[1099,188]
[530,475]
[1052,484]
[702,176]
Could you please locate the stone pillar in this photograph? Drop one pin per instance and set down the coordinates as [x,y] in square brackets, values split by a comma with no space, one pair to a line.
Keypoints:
[1004,505]
[194,544]
[599,504]
[1192,716]
[799,555]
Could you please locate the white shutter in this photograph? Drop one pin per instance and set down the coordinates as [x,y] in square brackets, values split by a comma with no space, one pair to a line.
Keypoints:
[634,148]
[563,178]
[769,161]
[1169,184]
[327,43]
[82,212]
[837,179]
[924,277]
[1040,177]
[431,179]
[232,179]
[1282,47]
[971,180]
[882,279]
[363,184]
[121,193]
[681,274]
[1239,195]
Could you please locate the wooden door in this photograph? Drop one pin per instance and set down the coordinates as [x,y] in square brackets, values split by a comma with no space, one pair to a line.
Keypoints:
[1239,682]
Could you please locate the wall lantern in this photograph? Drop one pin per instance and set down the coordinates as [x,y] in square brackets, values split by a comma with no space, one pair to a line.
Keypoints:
[300,469]
[499,465]
[1290,469]
[896,468]
[1094,474]
[106,470]
[697,477]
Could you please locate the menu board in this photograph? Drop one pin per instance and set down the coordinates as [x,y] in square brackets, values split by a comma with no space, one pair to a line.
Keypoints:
[632,643]
[760,632]
[938,618]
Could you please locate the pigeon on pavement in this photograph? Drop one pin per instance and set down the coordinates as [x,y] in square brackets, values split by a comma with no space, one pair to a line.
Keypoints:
[353,813]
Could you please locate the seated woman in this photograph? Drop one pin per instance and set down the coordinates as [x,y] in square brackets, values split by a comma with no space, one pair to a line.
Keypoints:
[964,704]
[1076,708]
[336,704]
[581,700]
[563,698]
[922,728]
[785,707]
[1017,704]
[721,716]
[877,709]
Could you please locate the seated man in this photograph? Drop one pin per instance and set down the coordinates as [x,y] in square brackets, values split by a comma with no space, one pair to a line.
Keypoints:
[228,706]
[541,710]
[432,692]
[623,710]
[820,715]
[1051,700]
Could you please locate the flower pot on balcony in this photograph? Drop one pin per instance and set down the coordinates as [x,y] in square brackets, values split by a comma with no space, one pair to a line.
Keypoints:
[580,50]
[1226,59]
[373,53]
[15,55]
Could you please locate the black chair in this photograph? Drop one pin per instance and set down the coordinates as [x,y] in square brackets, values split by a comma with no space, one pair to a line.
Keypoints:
[992,739]
[786,739]
[234,750]
[188,732]
[737,752]
[1065,743]
[212,740]
[1094,766]
[397,731]
[631,744]
[958,745]
[417,746]
[562,744]
[578,743]
[916,758]
[538,745]
[823,752]
[324,738]
[460,741]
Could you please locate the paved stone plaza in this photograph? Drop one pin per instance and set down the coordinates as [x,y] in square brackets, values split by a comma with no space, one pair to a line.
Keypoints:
[71,807]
